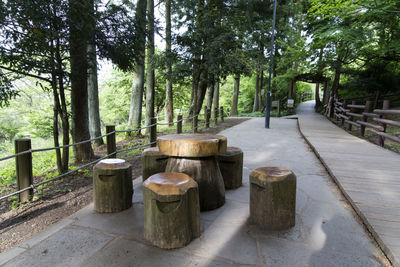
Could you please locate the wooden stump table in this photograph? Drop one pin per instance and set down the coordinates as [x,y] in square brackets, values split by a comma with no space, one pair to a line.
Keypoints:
[194,154]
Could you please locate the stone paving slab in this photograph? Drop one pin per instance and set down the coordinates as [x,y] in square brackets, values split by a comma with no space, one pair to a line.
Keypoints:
[367,174]
[326,232]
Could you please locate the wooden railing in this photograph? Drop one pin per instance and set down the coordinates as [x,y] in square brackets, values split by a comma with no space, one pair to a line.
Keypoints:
[362,116]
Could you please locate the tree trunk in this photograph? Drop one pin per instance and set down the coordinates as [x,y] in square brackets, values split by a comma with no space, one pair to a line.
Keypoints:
[335,86]
[169,107]
[210,95]
[201,92]
[93,95]
[78,13]
[216,97]
[235,98]
[64,110]
[150,93]
[135,109]
[256,105]
[317,100]
[261,100]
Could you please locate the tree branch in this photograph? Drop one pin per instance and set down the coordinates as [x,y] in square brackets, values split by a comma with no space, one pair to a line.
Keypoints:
[26,74]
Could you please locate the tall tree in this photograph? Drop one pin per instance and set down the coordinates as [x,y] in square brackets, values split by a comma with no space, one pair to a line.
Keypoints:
[150,92]
[79,21]
[235,97]
[93,88]
[135,110]
[169,107]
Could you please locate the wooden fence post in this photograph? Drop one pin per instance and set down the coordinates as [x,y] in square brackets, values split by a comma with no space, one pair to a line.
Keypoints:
[368,105]
[381,139]
[343,112]
[153,132]
[351,118]
[208,116]
[24,169]
[179,124]
[222,114]
[111,142]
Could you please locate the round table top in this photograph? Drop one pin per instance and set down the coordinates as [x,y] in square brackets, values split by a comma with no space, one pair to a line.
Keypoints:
[192,145]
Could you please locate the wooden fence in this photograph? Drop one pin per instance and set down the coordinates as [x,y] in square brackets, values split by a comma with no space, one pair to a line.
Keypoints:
[362,115]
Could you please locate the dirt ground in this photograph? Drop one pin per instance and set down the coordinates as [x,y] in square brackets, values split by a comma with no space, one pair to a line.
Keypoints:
[60,199]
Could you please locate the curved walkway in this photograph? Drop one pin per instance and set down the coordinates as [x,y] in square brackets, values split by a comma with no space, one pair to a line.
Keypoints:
[368,175]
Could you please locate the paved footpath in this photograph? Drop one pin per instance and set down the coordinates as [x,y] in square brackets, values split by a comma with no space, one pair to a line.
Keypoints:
[327,232]
[368,175]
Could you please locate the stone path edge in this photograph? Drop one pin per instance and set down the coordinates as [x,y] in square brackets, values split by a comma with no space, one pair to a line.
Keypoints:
[364,220]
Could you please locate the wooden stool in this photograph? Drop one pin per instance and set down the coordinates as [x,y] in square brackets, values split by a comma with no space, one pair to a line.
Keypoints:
[112,185]
[231,165]
[171,210]
[194,155]
[273,197]
[153,161]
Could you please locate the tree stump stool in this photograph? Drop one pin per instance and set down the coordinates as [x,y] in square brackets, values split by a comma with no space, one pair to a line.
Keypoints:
[153,161]
[171,210]
[231,165]
[273,198]
[112,185]
[194,155]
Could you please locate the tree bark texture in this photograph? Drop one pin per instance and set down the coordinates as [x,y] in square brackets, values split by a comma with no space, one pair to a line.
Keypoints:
[206,173]
[215,98]
[79,93]
[150,92]
[317,100]
[93,95]
[256,105]
[235,98]
[135,109]
[273,198]
[112,186]
[169,106]
[210,95]
[171,210]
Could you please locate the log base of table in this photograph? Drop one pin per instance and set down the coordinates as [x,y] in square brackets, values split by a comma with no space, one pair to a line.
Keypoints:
[206,173]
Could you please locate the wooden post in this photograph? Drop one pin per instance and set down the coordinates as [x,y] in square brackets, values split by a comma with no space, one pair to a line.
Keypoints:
[179,124]
[216,116]
[153,132]
[351,118]
[24,169]
[208,116]
[222,114]
[368,105]
[111,143]
[195,123]
[381,139]
[344,107]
